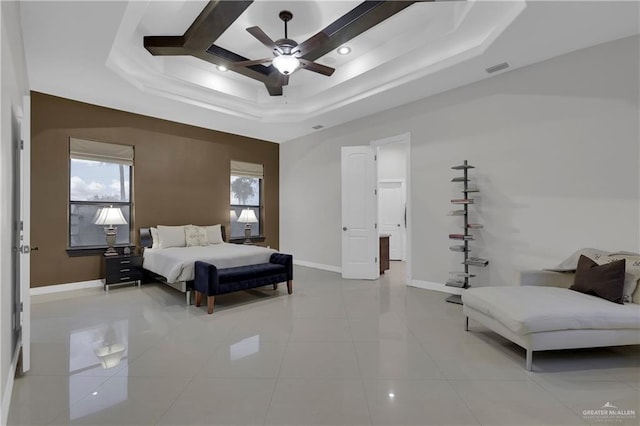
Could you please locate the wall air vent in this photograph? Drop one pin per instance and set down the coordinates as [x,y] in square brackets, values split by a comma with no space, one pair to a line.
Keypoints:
[499,67]
[317,127]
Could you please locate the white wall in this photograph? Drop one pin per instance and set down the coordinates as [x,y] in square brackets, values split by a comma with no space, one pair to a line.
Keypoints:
[14,87]
[556,146]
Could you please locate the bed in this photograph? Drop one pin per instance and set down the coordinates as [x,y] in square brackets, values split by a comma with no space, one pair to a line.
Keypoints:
[174,266]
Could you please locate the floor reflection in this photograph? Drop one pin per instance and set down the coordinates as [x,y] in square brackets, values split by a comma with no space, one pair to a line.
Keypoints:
[95,348]
[244,348]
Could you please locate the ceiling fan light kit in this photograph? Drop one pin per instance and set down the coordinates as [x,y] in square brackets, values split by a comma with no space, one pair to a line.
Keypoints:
[286,64]
[287,52]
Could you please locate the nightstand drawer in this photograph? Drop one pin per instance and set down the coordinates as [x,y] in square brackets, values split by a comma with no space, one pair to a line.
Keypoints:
[124,276]
[122,269]
[120,264]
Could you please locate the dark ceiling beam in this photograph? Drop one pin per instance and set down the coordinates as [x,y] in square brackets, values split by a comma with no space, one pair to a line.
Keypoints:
[166,45]
[363,17]
[214,20]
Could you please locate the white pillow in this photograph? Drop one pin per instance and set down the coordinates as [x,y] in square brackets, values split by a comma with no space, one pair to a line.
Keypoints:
[631,273]
[214,234]
[195,236]
[571,263]
[171,236]
[155,239]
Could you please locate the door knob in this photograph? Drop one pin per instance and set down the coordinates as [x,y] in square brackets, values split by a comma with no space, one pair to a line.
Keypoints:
[398,225]
[344,228]
[34,248]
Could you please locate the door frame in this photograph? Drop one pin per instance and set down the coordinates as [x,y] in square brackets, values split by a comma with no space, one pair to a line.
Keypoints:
[403,187]
[404,138]
[25,247]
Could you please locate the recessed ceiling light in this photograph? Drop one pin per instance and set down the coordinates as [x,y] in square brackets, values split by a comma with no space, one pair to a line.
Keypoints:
[344,50]
[222,68]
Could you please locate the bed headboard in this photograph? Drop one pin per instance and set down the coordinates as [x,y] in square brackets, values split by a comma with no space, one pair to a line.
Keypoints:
[145,237]
[146,241]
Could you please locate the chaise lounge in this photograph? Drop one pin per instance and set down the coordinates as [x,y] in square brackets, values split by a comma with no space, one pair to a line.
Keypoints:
[544,314]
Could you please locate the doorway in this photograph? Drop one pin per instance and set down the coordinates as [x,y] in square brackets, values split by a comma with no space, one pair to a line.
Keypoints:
[393,162]
[361,186]
[391,213]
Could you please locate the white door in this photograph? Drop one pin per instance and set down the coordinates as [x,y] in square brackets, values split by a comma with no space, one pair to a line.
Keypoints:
[24,188]
[392,222]
[360,245]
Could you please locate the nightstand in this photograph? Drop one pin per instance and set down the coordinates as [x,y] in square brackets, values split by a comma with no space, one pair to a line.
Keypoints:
[121,269]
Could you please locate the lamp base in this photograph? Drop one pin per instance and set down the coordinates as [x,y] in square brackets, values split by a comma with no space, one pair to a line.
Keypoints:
[247,233]
[110,252]
[110,234]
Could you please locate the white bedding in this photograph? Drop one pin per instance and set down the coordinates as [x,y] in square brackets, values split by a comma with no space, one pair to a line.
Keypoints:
[176,263]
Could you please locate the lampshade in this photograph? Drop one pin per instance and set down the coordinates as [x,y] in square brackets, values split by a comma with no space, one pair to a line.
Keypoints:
[110,216]
[286,64]
[248,216]
[233,216]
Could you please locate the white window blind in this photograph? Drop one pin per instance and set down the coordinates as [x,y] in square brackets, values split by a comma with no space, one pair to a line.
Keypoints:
[82,149]
[239,168]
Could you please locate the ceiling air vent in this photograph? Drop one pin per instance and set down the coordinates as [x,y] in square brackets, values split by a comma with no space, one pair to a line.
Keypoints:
[317,127]
[499,67]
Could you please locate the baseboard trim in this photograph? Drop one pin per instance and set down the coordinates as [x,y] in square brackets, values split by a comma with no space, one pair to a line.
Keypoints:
[317,266]
[36,291]
[428,285]
[8,389]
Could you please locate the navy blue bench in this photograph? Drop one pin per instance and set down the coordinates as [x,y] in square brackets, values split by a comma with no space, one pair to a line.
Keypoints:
[212,281]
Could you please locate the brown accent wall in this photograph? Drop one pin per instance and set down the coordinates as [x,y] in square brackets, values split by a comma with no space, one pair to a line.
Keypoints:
[181,176]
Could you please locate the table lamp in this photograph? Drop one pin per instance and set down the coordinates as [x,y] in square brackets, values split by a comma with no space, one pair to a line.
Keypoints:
[109,216]
[247,217]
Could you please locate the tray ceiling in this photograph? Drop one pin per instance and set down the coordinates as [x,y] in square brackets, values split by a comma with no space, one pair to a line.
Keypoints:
[424,49]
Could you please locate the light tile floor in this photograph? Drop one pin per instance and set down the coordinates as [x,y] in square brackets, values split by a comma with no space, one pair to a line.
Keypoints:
[336,352]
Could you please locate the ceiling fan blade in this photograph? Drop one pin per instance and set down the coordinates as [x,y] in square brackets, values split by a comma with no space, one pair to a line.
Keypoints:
[283,79]
[312,43]
[316,67]
[263,38]
[274,90]
[249,63]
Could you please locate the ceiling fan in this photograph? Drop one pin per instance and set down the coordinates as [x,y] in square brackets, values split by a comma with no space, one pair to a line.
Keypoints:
[287,53]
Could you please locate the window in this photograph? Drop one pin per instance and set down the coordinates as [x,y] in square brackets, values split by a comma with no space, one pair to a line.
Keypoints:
[99,176]
[246,193]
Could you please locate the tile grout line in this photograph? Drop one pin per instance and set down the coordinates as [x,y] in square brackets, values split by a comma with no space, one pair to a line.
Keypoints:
[277,379]
[355,352]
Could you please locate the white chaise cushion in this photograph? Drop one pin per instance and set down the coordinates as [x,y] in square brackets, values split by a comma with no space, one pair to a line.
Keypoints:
[525,310]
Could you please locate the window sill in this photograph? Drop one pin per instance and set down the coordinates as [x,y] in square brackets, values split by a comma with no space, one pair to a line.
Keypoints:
[253,239]
[94,250]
